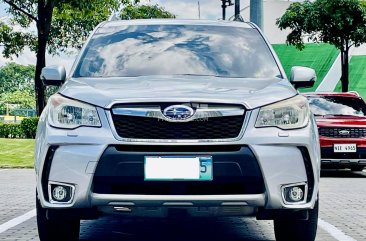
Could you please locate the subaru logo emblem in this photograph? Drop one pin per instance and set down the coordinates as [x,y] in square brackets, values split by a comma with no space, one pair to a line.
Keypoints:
[178,112]
[344,132]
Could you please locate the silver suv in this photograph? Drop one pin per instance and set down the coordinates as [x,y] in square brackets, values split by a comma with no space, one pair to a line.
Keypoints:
[163,118]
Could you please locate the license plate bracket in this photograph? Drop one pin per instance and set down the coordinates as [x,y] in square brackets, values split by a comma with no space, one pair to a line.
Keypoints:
[178,168]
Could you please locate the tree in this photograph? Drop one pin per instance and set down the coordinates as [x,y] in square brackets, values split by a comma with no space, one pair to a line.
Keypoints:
[15,77]
[60,24]
[21,98]
[341,23]
[131,11]
[17,99]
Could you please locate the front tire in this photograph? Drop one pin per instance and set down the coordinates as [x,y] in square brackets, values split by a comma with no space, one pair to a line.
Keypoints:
[56,229]
[299,230]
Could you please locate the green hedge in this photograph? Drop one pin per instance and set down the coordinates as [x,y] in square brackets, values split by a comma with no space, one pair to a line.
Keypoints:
[29,127]
[26,129]
[8,130]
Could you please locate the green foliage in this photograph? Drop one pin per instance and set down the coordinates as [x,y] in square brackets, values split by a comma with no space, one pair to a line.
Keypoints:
[22,99]
[14,41]
[341,23]
[144,12]
[16,77]
[79,17]
[29,127]
[26,129]
[71,23]
[61,25]
[17,99]
[10,130]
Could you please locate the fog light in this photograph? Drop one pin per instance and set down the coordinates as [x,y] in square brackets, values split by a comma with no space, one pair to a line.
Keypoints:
[296,194]
[59,193]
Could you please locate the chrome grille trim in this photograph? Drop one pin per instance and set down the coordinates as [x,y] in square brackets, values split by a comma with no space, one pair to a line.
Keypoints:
[201,113]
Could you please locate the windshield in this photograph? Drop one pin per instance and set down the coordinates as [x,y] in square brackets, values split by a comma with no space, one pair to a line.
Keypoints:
[337,105]
[142,50]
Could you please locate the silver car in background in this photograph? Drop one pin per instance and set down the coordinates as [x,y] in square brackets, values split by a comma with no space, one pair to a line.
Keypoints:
[174,118]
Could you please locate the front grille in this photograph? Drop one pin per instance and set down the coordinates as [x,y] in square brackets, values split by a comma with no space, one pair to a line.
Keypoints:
[121,171]
[140,127]
[347,132]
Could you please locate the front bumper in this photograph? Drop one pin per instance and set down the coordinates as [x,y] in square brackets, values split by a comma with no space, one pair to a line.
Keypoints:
[280,156]
[342,160]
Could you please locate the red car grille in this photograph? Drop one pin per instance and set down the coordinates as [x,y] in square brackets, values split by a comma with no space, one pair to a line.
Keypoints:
[342,132]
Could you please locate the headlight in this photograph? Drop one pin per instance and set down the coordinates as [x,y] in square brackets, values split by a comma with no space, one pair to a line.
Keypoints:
[288,114]
[70,114]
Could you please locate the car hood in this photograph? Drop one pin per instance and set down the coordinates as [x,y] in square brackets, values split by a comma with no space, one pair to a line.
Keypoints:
[252,93]
[341,121]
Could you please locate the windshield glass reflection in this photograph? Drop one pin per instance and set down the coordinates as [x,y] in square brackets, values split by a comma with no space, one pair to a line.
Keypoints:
[177,50]
[337,105]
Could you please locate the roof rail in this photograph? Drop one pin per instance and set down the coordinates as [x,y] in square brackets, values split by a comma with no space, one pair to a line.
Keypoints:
[354,92]
[114,17]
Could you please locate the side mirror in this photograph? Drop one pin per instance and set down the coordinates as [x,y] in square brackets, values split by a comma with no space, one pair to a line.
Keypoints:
[302,77]
[53,75]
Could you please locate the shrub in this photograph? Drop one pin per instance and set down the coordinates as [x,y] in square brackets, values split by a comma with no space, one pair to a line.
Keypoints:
[10,130]
[26,129]
[29,127]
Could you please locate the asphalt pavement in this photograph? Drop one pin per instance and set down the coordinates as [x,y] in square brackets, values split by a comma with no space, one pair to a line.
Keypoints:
[342,216]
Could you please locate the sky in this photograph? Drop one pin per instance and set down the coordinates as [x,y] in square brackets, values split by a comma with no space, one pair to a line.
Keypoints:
[183,9]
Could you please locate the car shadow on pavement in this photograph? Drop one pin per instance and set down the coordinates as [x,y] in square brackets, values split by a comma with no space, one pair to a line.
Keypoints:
[228,229]
[342,173]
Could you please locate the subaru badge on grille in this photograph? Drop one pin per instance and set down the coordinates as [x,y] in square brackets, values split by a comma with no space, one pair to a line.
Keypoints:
[178,112]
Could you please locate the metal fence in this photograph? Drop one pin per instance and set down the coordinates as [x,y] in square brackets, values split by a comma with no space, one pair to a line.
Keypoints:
[17,115]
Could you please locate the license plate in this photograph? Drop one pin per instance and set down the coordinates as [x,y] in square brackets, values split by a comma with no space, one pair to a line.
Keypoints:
[173,168]
[345,148]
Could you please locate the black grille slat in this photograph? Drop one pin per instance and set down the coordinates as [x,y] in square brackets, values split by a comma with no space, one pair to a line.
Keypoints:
[335,132]
[137,127]
[220,186]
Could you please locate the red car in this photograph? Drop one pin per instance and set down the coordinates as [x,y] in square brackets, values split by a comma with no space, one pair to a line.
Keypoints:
[341,119]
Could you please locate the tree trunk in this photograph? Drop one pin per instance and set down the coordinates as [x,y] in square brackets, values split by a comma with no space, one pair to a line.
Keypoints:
[45,10]
[39,88]
[345,70]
